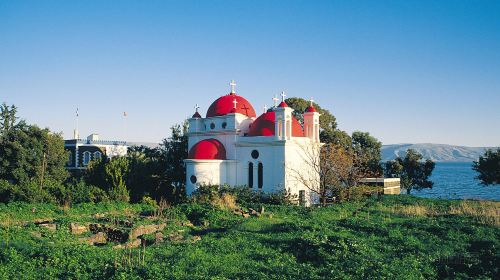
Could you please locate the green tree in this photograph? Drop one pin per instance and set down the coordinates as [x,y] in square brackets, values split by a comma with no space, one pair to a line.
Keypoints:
[8,118]
[368,148]
[146,171]
[29,153]
[174,151]
[327,121]
[488,167]
[413,171]
[116,170]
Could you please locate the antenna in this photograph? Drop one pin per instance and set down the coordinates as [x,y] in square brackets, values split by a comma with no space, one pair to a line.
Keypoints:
[76,134]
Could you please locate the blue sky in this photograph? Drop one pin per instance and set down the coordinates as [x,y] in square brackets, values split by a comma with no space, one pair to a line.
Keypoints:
[405,71]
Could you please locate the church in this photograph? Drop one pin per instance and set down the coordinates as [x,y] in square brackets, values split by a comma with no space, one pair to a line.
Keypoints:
[268,153]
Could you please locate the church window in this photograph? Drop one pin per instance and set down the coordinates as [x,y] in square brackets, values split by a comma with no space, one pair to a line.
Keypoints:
[260,172]
[212,125]
[70,159]
[224,125]
[86,158]
[302,198]
[255,154]
[250,175]
[97,155]
[193,179]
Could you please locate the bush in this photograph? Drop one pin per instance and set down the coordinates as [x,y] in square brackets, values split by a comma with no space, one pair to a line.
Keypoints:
[80,192]
[356,193]
[29,192]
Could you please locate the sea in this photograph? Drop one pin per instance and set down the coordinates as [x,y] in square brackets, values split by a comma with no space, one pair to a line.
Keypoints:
[456,180]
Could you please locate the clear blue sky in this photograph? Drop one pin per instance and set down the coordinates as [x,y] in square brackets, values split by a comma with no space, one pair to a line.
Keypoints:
[405,71]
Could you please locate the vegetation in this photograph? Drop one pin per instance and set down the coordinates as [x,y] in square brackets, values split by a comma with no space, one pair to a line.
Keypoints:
[488,167]
[413,171]
[388,238]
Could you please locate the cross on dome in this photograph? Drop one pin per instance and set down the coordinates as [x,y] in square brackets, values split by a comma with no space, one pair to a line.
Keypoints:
[235,102]
[196,107]
[233,85]
[283,95]
[275,100]
[265,108]
[311,100]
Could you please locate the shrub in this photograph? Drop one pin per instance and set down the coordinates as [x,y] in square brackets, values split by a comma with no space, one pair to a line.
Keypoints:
[356,193]
[81,192]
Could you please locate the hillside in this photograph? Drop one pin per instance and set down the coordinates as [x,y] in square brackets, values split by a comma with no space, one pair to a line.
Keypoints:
[398,237]
[435,152]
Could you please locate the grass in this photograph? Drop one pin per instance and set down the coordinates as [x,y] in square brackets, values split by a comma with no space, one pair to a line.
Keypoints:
[395,237]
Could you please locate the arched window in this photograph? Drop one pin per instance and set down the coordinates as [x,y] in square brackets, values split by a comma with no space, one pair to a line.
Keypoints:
[97,155]
[260,174]
[86,158]
[250,175]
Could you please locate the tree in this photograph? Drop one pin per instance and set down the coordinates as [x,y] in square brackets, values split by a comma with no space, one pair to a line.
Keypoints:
[328,123]
[146,171]
[368,148]
[174,151]
[488,167]
[116,170]
[338,168]
[29,153]
[8,118]
[413,171]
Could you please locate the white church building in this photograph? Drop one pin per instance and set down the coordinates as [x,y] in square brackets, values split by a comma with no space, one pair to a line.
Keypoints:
[232,146]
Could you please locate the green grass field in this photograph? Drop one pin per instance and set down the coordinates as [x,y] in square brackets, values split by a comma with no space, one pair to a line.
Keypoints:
[398,237]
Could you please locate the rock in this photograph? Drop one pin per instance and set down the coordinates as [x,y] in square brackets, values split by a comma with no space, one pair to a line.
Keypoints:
[270,216]
[196,238]
[43,221]
[77,229]
[36,234]
[52,227]
[113,234]
[158,237]
[187,224]
[96,239]
[262,210]
[133,244]
[175,237]
[98,215]
[252,211]
[117,235]
[245,215]
[145,229]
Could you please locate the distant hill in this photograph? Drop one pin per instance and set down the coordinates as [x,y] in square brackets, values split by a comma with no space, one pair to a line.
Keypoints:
[435,152]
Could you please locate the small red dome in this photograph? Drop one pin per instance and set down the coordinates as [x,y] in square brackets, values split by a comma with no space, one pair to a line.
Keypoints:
[310,109]
[264,126]
[283,104]
[208,149]
[196,115]
[225,105]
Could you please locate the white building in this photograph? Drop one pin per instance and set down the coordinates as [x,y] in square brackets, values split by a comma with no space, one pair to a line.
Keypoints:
[266,153]
[83,151]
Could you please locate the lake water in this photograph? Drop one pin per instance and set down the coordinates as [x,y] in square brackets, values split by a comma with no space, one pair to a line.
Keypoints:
[456,180]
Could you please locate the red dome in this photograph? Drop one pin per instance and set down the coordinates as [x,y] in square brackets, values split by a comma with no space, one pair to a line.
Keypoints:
[264,126]
[224,105]
[208,149]
[310,109]
[283,104]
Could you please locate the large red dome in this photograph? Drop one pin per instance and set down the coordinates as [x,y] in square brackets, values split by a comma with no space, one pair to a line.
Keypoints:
[208,149]
[225,105]
[264,126]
